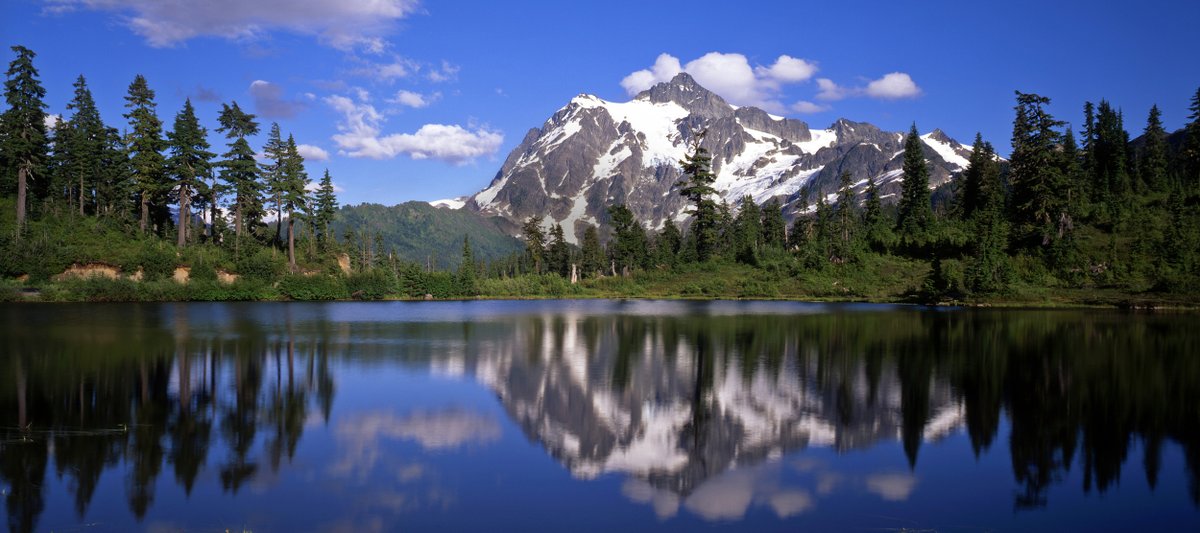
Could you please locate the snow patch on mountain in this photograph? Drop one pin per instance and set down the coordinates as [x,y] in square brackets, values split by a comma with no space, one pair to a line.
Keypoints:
[946,149]
[450,203]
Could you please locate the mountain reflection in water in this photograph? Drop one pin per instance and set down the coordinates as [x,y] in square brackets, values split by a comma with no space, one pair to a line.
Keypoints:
[696,406]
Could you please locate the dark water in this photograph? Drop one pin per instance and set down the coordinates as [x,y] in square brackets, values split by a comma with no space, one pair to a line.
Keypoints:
[605,416]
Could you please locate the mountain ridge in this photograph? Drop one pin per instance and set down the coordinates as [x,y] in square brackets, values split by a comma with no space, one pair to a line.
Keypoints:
[593,153]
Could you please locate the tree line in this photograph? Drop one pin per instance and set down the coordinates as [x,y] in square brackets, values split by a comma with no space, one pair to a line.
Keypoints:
[77,165]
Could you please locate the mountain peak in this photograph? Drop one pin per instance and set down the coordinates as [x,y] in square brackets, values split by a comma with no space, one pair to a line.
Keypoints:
[685,91]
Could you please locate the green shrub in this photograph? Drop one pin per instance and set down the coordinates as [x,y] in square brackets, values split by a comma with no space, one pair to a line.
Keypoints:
[373,284]
[99,289]
[157,261]
[202,271]
[317,287]
[263,264]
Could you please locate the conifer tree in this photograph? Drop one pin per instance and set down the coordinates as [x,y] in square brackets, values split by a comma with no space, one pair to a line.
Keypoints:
[774,228]
[146,145]
[593,251]
[1190,153]
[85,144]
[324,210]
[275,155]
[915,209]
[1152,162]
[801,231]
[988,269]
[558,253]
[845,230]
[969,199]
[238,170]
[1110,176]
[1074,180]
[629,248]
[1036,175]
[23,128]
[669,242]
[190,162]
[466,270]
[535,243]
[823,229]
[877,227]
[115,187]
[293,193]
[748,231]
[697,188]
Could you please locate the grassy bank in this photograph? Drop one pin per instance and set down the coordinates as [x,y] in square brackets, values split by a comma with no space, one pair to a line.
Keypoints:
[883,279]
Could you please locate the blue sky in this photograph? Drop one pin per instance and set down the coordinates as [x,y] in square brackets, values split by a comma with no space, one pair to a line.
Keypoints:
[421,100]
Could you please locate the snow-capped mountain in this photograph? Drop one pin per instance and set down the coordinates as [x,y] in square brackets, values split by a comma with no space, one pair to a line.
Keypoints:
[594,153]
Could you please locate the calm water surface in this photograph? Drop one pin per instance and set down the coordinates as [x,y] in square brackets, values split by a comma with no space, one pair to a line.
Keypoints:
[596,415]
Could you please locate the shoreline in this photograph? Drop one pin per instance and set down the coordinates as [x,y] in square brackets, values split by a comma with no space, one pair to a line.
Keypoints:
[33,296]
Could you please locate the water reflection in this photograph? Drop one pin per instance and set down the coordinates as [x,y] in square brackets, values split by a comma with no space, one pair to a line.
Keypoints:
[697,406]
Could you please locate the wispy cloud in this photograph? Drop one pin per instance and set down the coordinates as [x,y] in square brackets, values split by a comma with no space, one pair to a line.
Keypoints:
[360,135]
[414,100]
[270,102]
[343,24]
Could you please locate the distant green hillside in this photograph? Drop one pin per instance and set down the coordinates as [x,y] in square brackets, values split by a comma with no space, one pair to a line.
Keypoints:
[420,232]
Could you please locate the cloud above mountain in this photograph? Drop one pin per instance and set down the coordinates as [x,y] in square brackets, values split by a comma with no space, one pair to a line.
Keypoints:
[733,77]
[729,75]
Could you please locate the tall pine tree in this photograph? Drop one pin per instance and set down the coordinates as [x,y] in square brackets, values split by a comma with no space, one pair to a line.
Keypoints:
[293,193]
[1189,155]
[324,209]
[190,162]
[535,243]
[697,187]
[275,155]
[1152,161]
[85,144]
[23,128]
[1036,174]
[146,145]
[238,170]
[774,228]
[915,211]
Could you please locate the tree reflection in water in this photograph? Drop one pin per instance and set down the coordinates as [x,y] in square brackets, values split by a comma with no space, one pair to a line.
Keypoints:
[669,397]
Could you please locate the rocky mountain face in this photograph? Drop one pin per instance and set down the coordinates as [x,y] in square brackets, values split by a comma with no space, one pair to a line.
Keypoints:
[594,153]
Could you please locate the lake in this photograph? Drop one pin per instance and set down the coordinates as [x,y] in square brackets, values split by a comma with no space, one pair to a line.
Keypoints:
[596,416]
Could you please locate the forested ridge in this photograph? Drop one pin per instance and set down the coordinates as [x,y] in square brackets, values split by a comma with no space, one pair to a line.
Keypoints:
[1087,216]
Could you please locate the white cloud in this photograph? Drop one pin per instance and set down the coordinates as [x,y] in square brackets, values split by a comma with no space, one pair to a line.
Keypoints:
[269,101]
[312,153]
[829,90]
[893,86]
[729,75]
[343,24]
[414,100]
[396,68]
[50,120]
[806,107]
[360,136]
[448,72]
[788,69]
[312,186]
[890,87]
[665,68]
